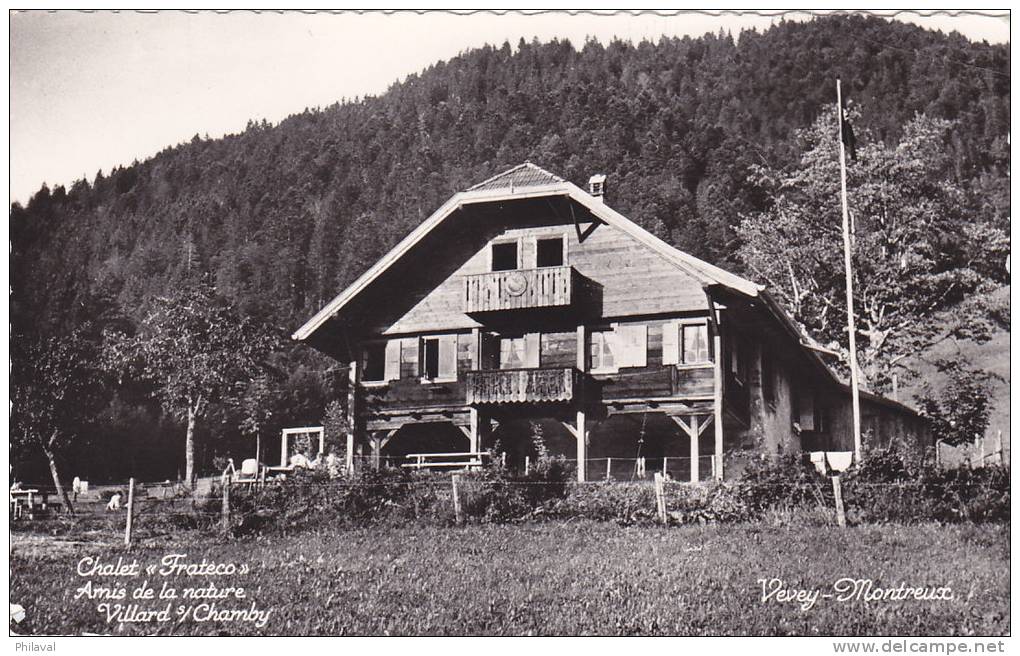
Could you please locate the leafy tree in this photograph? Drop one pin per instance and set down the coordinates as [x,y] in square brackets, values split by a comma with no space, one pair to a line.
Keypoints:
[57,387]
[257,404]
[337,427]
[196,350]
[912,252]
[959,410]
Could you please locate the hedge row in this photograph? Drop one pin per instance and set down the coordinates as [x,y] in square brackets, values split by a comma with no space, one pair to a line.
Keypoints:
[884,489]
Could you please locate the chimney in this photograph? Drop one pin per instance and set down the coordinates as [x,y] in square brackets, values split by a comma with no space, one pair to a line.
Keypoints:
[597,186]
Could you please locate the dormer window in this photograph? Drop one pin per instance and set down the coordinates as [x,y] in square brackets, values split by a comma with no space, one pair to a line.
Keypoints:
[549,252]
[504,256]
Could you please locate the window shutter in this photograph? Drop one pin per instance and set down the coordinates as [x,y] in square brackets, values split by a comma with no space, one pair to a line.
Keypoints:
[670,343]
[532,350]
[393,359]
[448,357]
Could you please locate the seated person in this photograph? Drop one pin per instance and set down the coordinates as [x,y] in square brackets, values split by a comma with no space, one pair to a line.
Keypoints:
[114,502]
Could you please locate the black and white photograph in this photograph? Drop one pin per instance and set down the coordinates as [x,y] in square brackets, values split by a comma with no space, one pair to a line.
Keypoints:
[675,323]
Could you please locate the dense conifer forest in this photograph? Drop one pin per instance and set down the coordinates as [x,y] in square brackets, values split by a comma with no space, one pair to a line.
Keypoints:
[281,217]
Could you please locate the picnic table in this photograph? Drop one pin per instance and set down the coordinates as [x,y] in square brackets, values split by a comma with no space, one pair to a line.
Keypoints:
[456,460]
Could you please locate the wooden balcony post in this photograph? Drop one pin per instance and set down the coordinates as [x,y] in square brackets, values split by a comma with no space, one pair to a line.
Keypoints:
[476,348]
[582,354]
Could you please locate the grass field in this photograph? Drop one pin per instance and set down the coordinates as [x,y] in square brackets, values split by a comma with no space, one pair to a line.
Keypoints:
[545,579]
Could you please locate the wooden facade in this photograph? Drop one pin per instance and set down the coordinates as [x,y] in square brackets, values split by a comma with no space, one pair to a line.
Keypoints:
[527,299]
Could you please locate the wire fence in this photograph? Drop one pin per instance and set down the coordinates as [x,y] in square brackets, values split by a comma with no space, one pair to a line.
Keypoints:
[157,506]
[601,468]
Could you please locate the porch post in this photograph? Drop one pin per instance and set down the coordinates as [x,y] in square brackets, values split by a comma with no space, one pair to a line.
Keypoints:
[582,446]
[353,378]
[474,436]
[376,442]
[695,464]
[717,406]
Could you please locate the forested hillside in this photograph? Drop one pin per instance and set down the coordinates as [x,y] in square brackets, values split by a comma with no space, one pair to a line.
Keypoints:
[282,217]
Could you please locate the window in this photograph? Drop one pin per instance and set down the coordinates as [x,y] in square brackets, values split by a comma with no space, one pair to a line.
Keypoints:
[550,252]
[768,379]
[374,364]
[519,352]
[437,358]
[504,256]
[511,352]
[694,343]
[821,417]
[803,403]
[429,358]
[490,351]
[602,357]
[620,346]
[631,342]
[737,360]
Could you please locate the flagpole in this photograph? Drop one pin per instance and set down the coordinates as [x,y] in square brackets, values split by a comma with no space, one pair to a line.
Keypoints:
[854,394]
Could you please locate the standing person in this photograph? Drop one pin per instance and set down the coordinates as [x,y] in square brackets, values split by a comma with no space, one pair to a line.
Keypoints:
[332,464]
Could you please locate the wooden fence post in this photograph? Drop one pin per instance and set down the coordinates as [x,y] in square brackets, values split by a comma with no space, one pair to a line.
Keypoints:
[456,497]
[609,468]
[225,508]
[660,501]
[130,512]
[837,490]
[527,465]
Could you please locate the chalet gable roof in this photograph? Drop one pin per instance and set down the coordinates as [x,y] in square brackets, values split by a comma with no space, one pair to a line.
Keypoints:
[529,181]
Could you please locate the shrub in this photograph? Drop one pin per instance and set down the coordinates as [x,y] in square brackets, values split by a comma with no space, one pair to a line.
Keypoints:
[885,487]
[625,503]
[786,482]
[310,497]
[711,502]
[495,495]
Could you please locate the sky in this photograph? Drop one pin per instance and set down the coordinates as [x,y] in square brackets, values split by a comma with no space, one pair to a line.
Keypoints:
[90,91]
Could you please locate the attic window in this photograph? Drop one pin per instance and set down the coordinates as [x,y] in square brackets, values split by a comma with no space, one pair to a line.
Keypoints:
[504,256]
[550,252]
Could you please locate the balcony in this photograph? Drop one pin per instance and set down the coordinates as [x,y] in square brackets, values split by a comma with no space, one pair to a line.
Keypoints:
[523,386]
[520,289]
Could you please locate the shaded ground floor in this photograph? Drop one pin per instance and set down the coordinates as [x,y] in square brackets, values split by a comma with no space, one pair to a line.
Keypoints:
[622,442]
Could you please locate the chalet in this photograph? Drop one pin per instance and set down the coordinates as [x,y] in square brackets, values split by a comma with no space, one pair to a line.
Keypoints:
[527,310]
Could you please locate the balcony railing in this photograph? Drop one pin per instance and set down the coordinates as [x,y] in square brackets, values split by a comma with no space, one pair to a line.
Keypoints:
[523,385]
[519,289]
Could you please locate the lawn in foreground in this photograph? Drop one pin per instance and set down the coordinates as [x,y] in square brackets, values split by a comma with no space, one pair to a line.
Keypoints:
[545,579]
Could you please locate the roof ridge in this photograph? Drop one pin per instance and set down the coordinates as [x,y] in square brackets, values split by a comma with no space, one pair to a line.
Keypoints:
[527,164]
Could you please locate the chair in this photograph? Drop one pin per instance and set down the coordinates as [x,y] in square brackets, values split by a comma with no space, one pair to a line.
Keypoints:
[249,472]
